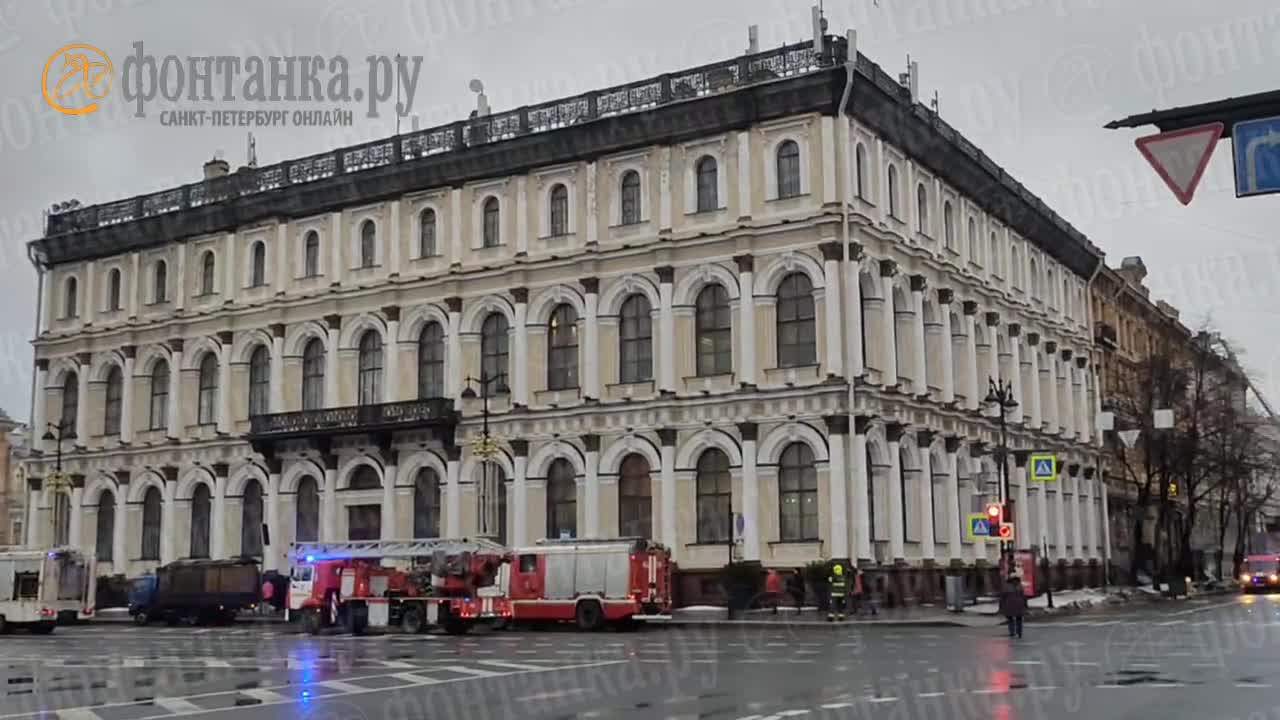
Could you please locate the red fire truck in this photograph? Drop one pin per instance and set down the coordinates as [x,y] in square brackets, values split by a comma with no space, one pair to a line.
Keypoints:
[443,583]
[591,582]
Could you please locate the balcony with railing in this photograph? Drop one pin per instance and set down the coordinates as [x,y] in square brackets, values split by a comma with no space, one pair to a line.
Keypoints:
[1105,335]
[355,419]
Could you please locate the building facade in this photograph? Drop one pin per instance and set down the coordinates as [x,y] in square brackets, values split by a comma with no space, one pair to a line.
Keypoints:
[13,494]
[723,298]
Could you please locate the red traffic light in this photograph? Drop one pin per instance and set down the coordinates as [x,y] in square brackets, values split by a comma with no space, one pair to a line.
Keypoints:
[994,511]
[1006,531]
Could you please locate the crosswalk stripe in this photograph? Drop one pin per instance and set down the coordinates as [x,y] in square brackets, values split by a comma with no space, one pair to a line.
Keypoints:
[266,696]
[477,672]
[341,686]
[177,705]
[394,664]
[509,665]
[78,714]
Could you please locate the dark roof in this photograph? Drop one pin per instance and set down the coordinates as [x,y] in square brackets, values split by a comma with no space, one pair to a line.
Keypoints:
[675,107]
[1228,111]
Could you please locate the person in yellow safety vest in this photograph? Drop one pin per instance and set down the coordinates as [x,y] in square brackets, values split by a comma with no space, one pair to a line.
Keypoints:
[839,593]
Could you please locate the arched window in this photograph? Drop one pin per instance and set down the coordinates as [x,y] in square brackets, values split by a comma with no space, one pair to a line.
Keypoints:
[922,209]
[368,244]
[562,348]
[313,375]
[973,241]
[1050,287]
[630,197]
[1033,280]
[207,401]
[113,289]
[259,381]
[635,340]
[893,192]
[1015,265]
[159,407]
[70,306]
[370,368]
[311,255]
[949,226]
[635,498]
[306,514]
[113,408]
[559,211]
[208,274]
[714,497]
[426,504]
[562,500]
[712,331]
[788,169]
[797,494]
[427,233]
[150,525]
[908,528]
[492,231]
[365,477]
[160,284]
[70,402]
[251,520]
[993,253]
[708,199]
[431,361]
[860,169]
[258,265]
[201,510]
[1066,297]
[104,537]
[797,336]
[493,350]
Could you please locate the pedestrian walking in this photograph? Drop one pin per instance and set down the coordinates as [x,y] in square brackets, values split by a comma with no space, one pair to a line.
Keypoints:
[862,598]
[839,593]
[1013,605]
[795,586]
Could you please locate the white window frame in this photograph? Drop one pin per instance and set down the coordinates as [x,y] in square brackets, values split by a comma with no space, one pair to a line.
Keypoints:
[544,181]
[380,228]
[774,137]
[693,152]
[479,195]
[619,167]
[435,204]
[300,248]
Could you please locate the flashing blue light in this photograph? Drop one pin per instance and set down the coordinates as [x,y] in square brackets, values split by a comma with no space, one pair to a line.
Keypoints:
[311,558]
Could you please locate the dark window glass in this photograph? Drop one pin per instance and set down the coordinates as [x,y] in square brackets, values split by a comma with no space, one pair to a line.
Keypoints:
[630,197]
[201,509]
[707,185]
[635,498]
[106,527]
[635,340]
[70,306]
[714,497]
[860,168]
[258,265]
[159,395]
[562,348]
[492,235]
[313,375]
[493,350]
[365,477]
[311,255]
[922,209]
[113,410]
[70,402]
[797,336]
[427,233]
[251,520]
[788,169]
[431,361]
[207,402]
[368,244]
[426,504]
[713,333]
[798,494]
[306,516]
[948,225]
[151,524]
[208,266]
[160,288]
[893,191]
[370,368]
[113,290]
[562,500]
[559,211]
[259,381]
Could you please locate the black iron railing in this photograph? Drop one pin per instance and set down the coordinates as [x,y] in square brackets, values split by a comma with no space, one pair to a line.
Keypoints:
[355,418]
[1105,334]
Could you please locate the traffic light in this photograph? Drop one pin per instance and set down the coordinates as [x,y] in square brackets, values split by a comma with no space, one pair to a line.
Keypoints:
[994,512]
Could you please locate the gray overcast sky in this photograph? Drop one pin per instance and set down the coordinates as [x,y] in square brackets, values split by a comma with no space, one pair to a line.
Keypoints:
[1030,81]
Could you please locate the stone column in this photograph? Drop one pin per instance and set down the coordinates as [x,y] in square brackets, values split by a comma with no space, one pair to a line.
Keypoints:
[168,514]
[277,368]
[664,193]
[180,289]
[1042,513]
[945,296]
[954,531]
[1083,421]
[744,176]
[971,349]
[918,364]
[1106,521]
[1068,414]
[1033,388]
[391,351]
[897,530]
[333,324]
[1050,409]
[924,440]
[858,498]
[281,261]
[82,397]
[336,239]
[390,474]
[1015,362]
[218,519]
[273,550]
[591,489]
[126,396]
[1021,516]
[230,268]
[176,423]
[75,530]
[667,327]
[668,483]
[837,429]
[38,421]
[120,528]
[454,372]
[1090,517]
[747,321]
[591,336]
[993,354]
[854,285]
[750,493]
[393,239]
[832,306]
[1060,510]
[224,382]
[888,269]
[520,492]
[329,500]
[1077,502]
[521,360]
[34,493]
[453,492]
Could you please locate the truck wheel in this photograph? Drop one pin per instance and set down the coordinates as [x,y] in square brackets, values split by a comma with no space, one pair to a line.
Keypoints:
[457,627]
[4,626]
[43,628]
[311,622]
[589,616]
[357,618]
[141,618]
[413,620]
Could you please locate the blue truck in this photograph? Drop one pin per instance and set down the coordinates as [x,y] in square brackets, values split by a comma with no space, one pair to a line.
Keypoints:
[196,591]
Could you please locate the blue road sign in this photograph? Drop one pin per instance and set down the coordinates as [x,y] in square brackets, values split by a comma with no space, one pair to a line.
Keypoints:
[1256,152]
[979,526]
[1044,468]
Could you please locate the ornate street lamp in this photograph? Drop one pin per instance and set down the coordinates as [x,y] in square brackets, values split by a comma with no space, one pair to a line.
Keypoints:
[1000,395]
[58,482]
[486,446]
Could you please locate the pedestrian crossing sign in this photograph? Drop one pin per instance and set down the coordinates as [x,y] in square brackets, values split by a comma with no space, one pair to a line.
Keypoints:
[1044,468]
[979,526]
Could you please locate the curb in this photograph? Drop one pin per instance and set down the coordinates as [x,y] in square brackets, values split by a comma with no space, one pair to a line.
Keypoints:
[816,624]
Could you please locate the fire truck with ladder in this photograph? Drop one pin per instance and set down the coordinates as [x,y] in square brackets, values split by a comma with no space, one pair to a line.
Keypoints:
[591,582]
[451,584]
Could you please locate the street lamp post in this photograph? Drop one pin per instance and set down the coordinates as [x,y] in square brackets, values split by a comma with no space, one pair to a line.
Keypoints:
[486,448]
[58,482]
[1000,395]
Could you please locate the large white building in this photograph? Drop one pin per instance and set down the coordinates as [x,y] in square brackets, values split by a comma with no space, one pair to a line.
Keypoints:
[722,291]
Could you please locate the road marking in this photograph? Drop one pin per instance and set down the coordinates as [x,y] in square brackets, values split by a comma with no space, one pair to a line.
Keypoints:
[930,694]
[1165,685]
[1253,685]
[793,713]
[1205,665]
[1109,687]
[134,663]
[397,664]
[1171,622]
[78,714]
[268,696]
[551,695]
[217,663]
[1025,662]
[340,686]
[991,691]
[836,706]
[1041,687]
[178,706]
[1084,663]
[509,665]
[476,672]
[882,699]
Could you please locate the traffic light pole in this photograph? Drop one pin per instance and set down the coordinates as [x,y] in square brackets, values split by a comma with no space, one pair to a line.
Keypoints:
[1000,394]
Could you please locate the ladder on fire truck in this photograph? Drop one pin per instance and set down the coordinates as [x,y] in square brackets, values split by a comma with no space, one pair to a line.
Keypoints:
[375,549]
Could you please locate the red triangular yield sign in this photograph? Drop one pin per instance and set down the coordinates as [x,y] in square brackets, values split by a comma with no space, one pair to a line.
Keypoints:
[1180,156]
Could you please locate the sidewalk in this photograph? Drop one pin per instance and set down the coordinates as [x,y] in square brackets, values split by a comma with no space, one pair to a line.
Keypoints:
[121,615]
[917,616]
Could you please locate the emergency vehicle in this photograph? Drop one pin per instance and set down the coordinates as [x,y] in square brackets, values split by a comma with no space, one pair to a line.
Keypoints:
[36,586]
[434,583]
[591,582]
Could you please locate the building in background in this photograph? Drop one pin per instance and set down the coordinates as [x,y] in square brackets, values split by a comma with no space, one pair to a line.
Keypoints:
[12,490]
[716,308]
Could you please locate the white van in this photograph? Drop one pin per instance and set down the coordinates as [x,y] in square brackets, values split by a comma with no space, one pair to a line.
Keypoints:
[38,585]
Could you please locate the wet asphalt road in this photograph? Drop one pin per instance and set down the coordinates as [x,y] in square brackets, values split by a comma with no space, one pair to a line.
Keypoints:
[1218,658]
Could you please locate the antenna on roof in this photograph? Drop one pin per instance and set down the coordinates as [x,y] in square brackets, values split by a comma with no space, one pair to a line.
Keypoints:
[753,39]
[934,102]
[819,29]
[253,152]
[482,102]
